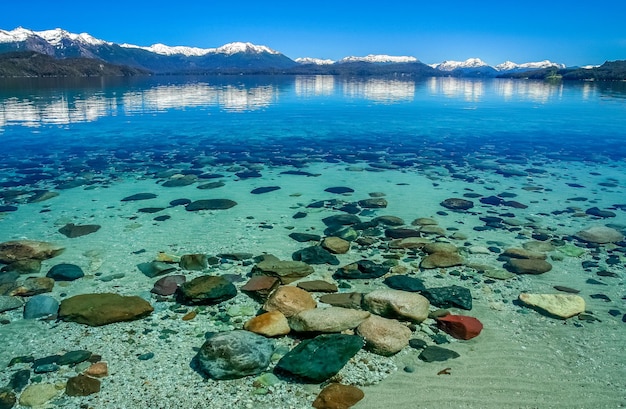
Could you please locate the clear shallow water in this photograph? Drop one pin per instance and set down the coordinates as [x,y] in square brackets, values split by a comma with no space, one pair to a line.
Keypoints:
[558,148]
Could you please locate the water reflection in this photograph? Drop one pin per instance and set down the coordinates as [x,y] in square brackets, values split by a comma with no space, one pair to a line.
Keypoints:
[37,104]
[311,86]
[380,90]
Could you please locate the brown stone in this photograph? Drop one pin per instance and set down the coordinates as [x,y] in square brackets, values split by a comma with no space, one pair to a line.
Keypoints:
[102,309]
[33,286]
[409,243]
[338,396]
[12,251]
[319,286]
[346,300]
[24,267]
[286,271]
[336,245]
[82,385]
[524,254]
[441,260]
[289,300]
[97,370]
[261,286]
[269,324]
[527,266]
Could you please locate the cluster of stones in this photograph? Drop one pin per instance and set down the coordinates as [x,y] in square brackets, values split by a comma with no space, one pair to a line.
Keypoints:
[331,328]
[88,367]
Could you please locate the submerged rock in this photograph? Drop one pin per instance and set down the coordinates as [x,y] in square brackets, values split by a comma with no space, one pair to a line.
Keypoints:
[105,308]
[528,266]
[600,235]
[457,204]
[437,354]
[320,358]
[331,319]
[235,354]
[17,250]
[286,271]
[72,230]
[315,255]
[269,324]
[451,296]
[556,305]
[384,336]
[210,204]
[41,306]
[338,396]
[289,300]
[65,272]
[397,304]
[206,289]
[82,385]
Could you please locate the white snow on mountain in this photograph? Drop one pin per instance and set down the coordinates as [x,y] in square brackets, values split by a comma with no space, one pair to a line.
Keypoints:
[56,36]
[228,49]
[379,59]
[53,37]
[316,61]
[453,65]
[509,65]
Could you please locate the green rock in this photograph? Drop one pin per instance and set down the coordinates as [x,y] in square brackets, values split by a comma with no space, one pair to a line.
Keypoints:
[7,398]
[74,357]
[499,274]
[320,358]
[571,250]
[267,379]
[207,289]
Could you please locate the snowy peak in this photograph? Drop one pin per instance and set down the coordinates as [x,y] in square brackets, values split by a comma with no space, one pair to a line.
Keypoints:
[53,37]
[228,49]
[314,61]
[454,65]
[380,58]
[248,48]
[511,66]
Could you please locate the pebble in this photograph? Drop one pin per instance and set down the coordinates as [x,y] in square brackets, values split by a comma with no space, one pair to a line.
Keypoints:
[82,385]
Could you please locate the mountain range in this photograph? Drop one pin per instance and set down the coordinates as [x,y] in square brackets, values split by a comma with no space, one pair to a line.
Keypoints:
[240,57]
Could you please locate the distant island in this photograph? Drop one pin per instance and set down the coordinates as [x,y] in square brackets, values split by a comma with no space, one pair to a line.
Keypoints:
[58,53]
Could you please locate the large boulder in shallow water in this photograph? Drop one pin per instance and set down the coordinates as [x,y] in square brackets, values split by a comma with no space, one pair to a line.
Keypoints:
[235,354]
[17,250]
[101,309]
[319,358]
[600,235]
[210,204]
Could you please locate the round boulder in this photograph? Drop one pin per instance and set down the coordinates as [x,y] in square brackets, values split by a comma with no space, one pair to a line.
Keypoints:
[235,354]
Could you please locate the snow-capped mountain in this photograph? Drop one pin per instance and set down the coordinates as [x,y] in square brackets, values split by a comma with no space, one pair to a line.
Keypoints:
[158,57]
[381,58]
[228,49]
[314,61]
[455,65]
[511,66]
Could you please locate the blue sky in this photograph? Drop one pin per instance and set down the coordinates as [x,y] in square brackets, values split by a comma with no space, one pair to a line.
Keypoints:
[436,30]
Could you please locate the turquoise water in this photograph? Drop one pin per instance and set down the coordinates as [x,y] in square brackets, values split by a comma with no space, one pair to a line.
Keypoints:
[557,149]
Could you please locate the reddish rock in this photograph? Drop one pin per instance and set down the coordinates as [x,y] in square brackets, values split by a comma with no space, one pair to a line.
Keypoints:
[82,385]
[338,396]
[460,326]
[97,370]
[168,285]
[260,286]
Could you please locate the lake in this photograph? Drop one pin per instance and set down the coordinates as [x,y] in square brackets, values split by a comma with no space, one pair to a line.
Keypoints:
[492,170]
